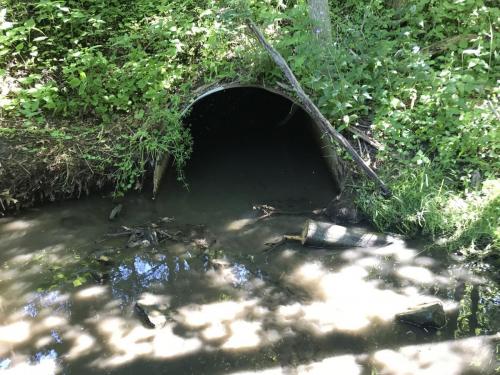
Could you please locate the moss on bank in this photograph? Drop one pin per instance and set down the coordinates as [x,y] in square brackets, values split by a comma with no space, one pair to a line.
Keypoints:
[92,93]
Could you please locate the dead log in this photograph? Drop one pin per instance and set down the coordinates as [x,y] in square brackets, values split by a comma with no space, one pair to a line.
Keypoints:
[319,120]
[427,315]
[321,234]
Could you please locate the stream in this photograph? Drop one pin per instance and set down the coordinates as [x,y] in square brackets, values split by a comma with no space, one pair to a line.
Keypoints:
[219,302]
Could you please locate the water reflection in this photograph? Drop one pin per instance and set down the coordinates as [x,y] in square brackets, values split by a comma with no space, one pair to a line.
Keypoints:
[5,363]
[55,335]
[149,272]
[45,356]
[129,279]
[58,303]
[247,314]
[123,273]
[241,274]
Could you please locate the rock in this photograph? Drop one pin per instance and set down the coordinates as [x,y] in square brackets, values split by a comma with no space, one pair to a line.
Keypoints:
[100,277]
[427,315]
[343,211]
[105,257]
[115,211]
[151,236]
[204,243]
[144,243]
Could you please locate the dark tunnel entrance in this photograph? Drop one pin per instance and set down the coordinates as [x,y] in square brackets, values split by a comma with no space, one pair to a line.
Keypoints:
[244,153]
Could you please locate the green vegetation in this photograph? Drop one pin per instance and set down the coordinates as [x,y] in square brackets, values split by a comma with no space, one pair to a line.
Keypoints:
[92,94]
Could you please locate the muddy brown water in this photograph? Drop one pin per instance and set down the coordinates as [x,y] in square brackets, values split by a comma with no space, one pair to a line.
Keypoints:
[231,308]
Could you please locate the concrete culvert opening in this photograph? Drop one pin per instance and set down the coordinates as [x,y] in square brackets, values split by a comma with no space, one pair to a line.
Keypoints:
[244,151]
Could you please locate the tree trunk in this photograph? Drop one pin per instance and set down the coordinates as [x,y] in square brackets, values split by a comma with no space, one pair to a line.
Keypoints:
[319,12]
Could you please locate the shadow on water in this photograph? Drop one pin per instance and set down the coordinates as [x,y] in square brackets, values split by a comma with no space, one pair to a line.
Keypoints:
[218,302]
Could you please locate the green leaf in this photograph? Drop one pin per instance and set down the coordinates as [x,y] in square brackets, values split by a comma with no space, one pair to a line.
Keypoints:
[74,82]
[30,23]
[139,114]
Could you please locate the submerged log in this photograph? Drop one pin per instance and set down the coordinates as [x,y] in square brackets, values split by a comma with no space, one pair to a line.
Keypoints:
[321,234]
[427,315]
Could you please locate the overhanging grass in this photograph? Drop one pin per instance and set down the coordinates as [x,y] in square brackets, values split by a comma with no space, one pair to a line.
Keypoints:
[425,203]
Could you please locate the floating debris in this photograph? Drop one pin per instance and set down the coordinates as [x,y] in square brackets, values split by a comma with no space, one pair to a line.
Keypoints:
[143,315]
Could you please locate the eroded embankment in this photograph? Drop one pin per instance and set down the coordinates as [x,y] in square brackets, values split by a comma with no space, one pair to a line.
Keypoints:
[57,163]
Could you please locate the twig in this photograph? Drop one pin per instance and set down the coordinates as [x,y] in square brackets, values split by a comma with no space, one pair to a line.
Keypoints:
[365,138]
[309,106]
[119,234]
[274,244]
[269,211]
[290,114]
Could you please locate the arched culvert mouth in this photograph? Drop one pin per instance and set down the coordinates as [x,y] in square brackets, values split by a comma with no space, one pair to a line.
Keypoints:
[244,140]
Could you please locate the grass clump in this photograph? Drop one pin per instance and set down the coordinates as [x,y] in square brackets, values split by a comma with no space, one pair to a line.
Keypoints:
[424,203]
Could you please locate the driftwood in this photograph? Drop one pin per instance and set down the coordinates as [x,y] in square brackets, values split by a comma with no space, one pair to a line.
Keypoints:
[338,211]
[320,120]
[272,245]
[268,211]
[321,234]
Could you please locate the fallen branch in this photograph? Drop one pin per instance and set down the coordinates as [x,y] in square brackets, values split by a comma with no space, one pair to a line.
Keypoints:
[312,110]
[275,244]
[364,137]
[268,211]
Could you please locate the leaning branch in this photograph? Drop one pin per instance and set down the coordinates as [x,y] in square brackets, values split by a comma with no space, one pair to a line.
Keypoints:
[313,111]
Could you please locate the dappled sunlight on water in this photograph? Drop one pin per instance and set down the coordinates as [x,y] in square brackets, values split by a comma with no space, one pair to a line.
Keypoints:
[254,307]
[354,294]
[473,355]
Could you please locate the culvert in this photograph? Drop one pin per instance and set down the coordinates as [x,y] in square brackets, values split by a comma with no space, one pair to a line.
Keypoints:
[255,113]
